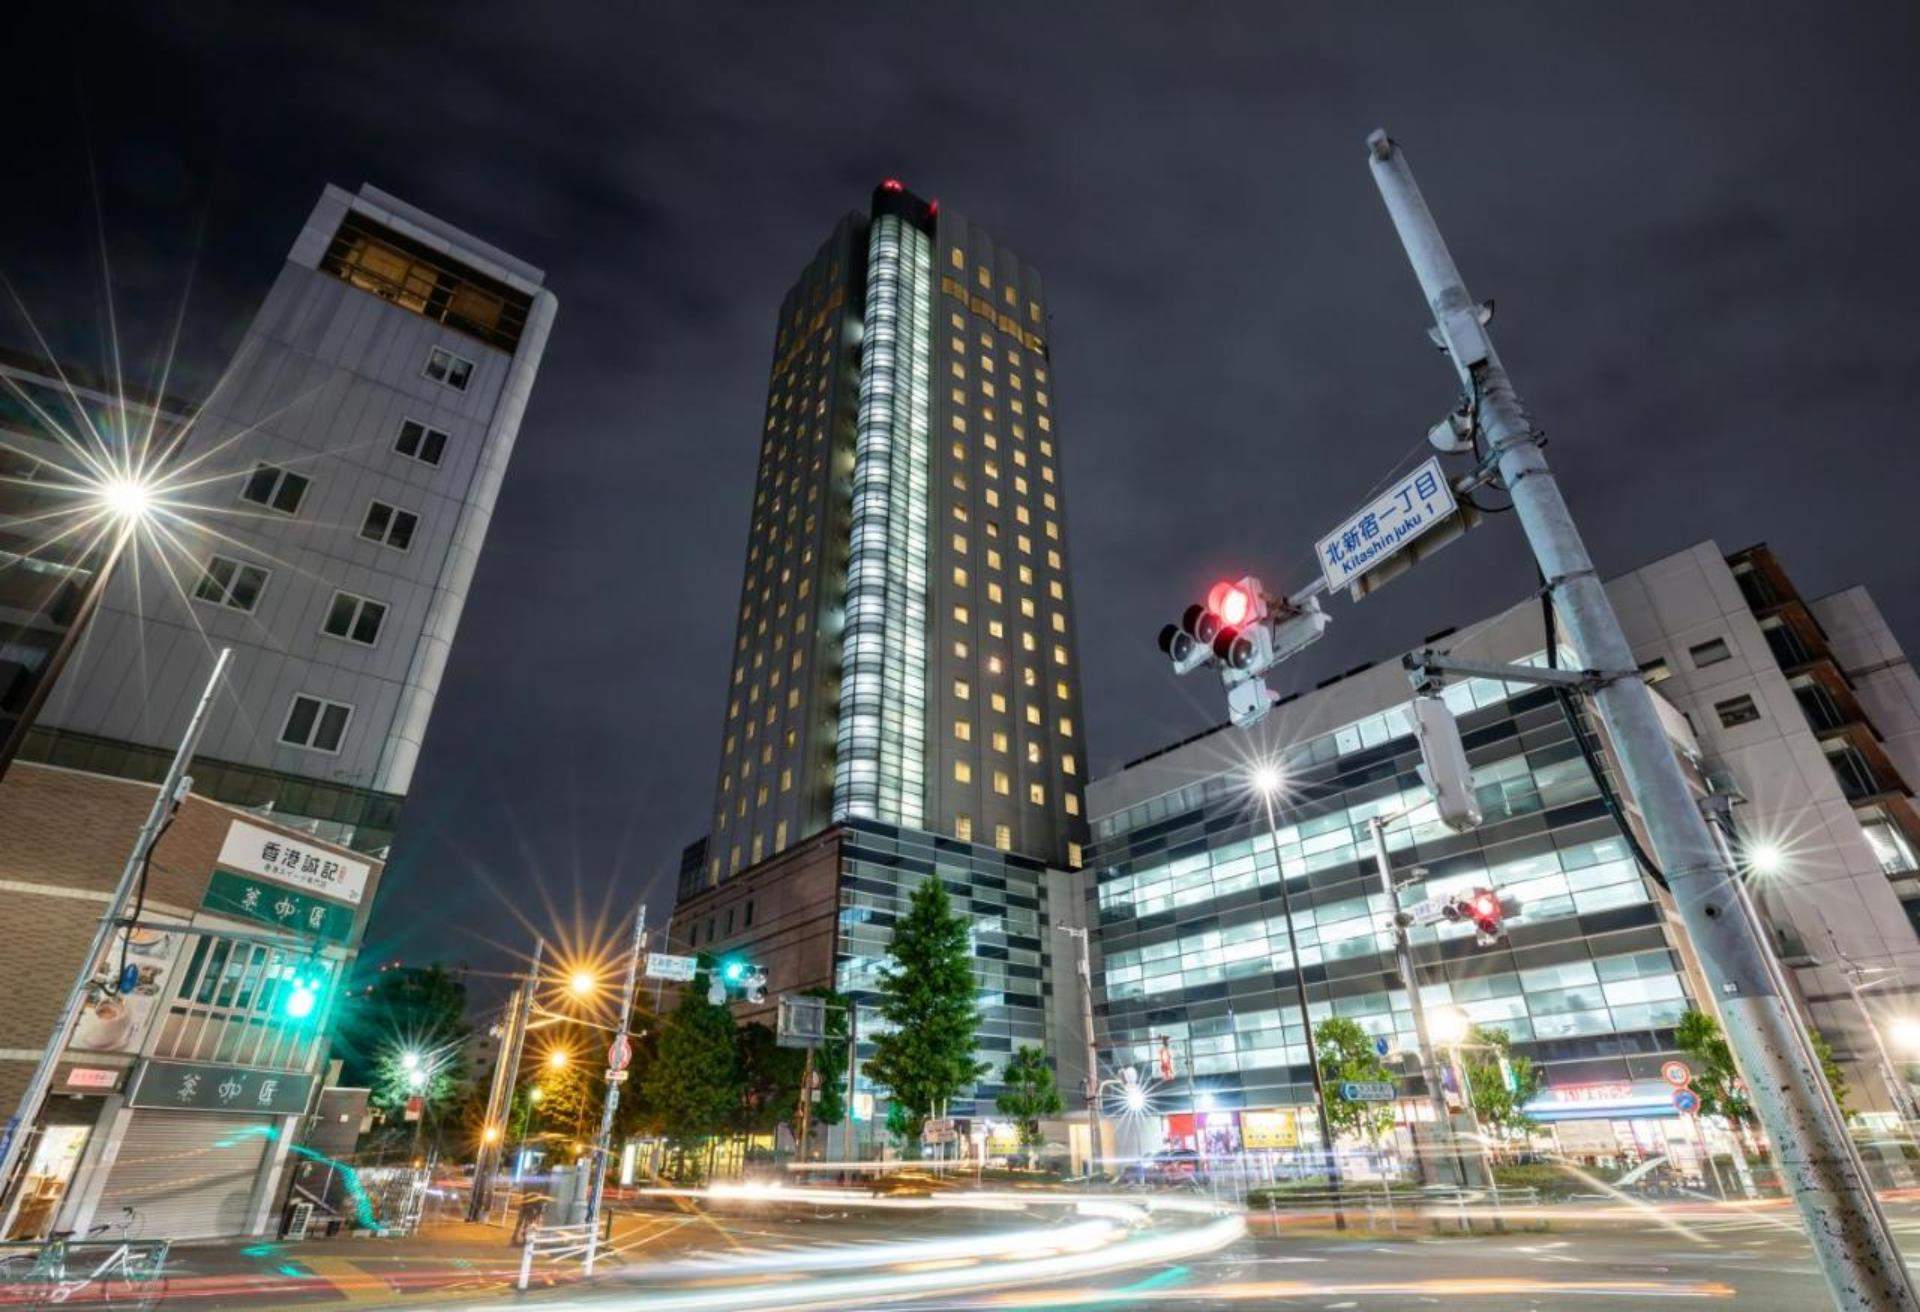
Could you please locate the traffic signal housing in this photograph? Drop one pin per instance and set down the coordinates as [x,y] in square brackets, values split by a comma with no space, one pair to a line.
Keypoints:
[1242,633]
[1484,908]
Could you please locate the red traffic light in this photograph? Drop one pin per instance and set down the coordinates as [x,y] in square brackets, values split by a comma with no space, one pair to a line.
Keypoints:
[1486,906]
[1230,602]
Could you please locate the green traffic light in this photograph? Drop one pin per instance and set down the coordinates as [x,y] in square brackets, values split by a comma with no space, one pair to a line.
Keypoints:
[734,969]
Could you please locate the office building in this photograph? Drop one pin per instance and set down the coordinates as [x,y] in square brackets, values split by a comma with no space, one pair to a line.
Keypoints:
[1184,873]
[904,691]
[338,481]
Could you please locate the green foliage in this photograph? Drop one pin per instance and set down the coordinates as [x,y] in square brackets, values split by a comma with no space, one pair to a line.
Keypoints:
[405,1009]
[1836,1079]
[830,1060]
[1029,1093]
[1715,1079]
[1498,1101]
[569,1108]
[927,995]
[769,1079]
[1346,1053]
[693,1086]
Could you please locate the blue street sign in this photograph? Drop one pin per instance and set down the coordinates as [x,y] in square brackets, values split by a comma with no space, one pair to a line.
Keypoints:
[1686,1101]
[1367,1091]
[1380,1045]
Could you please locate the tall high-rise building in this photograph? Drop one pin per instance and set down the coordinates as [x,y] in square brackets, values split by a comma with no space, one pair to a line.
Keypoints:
[905,642]
[904,693]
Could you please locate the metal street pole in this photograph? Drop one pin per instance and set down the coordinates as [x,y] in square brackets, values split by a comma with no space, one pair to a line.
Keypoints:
[493,1130]
[853,1050]
[602,1141]
[1300,988]
[518,1053]
[172,792]
[1889,1073]
[1403,949]
[63,651]
[1849,1233]
[1080,935]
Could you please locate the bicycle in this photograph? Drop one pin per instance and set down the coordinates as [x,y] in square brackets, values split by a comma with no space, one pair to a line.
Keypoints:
[133,1274]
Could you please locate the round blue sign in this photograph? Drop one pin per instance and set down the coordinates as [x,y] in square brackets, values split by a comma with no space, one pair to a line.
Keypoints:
[130,978]
[1686,1101]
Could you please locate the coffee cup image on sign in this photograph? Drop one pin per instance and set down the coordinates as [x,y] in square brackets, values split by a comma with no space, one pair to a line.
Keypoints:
[104,1023]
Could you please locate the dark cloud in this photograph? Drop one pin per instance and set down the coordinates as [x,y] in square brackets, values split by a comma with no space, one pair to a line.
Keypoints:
[1693,219]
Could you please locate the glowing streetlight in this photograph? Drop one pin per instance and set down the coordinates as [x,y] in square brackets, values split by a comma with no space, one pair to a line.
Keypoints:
[1905,1033]
[409,1060]
[1134,1097]
[127,499]
[1765,858]
[416,1080]
[583,983]
[1268,779]
[536,1093]
[490,1135]
[557,1059]
[1448,1026]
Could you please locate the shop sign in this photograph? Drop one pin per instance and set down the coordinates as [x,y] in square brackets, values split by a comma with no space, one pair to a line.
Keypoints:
[115,1019]
[1367,1091]
[193,1086]
[1269,1129]
[91,1077]
[251,850]
[246,898]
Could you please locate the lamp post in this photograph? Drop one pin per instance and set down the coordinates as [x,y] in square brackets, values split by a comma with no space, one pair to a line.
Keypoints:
[1079,933]
[1267,781]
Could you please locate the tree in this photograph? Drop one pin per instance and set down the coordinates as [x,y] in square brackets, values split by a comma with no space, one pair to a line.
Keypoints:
[693,1086]
[1499,1084]
[416,1010]
[1717,1080]
[1347,1053]
[769,1079]
[927,997]
[830,1060]
[569,1107]
[1028,1093]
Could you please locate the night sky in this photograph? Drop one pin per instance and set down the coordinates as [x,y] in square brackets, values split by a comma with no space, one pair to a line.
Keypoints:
[1697,221]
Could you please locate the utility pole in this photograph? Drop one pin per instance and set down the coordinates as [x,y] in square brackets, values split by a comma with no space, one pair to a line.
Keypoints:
[1848,1231]
[601,1143]
[172,792]
[506,1078]
[1266,790]
[1079,934]
[1403,948]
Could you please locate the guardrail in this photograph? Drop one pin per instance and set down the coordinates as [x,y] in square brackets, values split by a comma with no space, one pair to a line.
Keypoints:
[560,1243]
[1387,1204]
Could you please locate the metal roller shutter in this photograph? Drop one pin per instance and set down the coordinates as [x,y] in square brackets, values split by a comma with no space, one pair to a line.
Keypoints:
[189,1175]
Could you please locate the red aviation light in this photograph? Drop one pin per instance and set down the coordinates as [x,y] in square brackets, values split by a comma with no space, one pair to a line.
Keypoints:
[892,184]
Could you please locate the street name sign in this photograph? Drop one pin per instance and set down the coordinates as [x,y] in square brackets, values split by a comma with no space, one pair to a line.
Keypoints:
[664,965]
[1367,1091]
[1410,507]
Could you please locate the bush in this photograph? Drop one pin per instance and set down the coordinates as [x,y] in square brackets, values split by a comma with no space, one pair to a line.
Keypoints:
[1550,1179]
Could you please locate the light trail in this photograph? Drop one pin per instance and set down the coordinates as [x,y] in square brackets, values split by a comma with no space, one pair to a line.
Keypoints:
[1439,1289]
[1119,1236]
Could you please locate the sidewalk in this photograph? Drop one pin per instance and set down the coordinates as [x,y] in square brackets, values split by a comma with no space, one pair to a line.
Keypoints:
[440,1259]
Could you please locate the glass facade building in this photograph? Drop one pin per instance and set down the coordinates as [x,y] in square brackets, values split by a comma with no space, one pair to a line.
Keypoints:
[1186,889]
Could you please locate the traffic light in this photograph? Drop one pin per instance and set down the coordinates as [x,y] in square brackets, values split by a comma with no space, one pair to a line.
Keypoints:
[1483,907]
[1244,633]
[754,986]
[301,990]
[736,972]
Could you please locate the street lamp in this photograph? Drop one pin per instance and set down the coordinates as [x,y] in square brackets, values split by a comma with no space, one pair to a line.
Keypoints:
[1268,779]
[582,984]
[1905,1033]
[1766,859]
[557,1059]
[1449,1026]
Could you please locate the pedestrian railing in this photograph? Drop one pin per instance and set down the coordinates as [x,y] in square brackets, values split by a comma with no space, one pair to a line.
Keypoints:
[562,1243]
[1382,1206]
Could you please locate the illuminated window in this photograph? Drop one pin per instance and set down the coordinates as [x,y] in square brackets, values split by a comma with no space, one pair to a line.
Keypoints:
[959,450]
[962,772]
[959,261]
[959,482]
[779,841]
[1034,756]
[963,730]
[990,468]
[1060,689]
[962,690]
[1053,559]
[1000,740]
[981,276]
[1059,622]
[1037,794]
[959,576]
[993,665]
[994,593]
[1059,654]
[1002,784]
[960,543]
[1028,642]
[1030,676]
[959,423]
[1026,573]
[963,827]
[999,701]
[960,649]
[996,629]
[1026,607]
[993,559]
[1067,764]
[1033,715]
[1003,837]
[1055,590]
[992,497]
